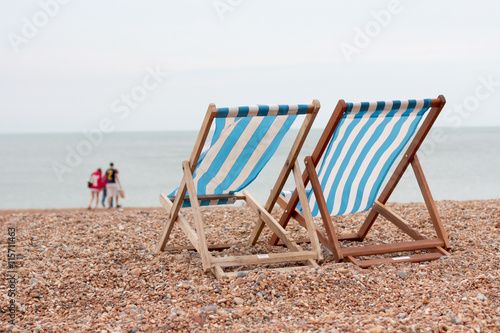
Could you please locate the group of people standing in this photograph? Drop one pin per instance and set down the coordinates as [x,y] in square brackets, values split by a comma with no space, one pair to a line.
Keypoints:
[109,183]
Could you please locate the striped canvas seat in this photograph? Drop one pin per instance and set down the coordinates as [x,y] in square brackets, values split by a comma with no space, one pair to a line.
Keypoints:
[244,140]
[367,141]
[348,167]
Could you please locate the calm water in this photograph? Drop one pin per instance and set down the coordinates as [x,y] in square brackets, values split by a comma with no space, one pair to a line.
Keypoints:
[38,170]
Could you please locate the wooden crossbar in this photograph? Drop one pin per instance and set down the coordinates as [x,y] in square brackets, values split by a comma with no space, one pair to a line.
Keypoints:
[390,248]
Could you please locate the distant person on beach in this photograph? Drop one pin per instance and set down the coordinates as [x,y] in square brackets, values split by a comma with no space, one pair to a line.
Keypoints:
[96,186]
[112,185]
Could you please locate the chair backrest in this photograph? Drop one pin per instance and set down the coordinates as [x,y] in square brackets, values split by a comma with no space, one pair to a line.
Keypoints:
[244,140]
[365,144]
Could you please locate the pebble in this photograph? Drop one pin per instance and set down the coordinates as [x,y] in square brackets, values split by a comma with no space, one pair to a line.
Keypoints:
[212,308]
[241,274]
[136,272]
[481,297]
[457,320]
[402,274]
[200,318]
[238,300]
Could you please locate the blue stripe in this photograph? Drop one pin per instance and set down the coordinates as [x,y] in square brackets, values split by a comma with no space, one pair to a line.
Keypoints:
[222,112]
[283,110]
[243,111]
[263,110]
[302,109]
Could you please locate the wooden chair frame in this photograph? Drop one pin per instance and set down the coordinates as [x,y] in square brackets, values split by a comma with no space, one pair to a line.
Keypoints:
[437,246]
[197,237]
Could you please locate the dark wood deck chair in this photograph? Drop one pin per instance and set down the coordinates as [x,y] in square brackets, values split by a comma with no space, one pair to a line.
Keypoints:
[244,140]
[357,148]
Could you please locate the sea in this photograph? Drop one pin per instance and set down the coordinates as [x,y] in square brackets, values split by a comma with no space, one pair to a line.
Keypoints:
[51,170]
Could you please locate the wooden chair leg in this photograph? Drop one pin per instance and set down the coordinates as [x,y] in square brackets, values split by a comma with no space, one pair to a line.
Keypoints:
[323,208]
[429,202]
[198,218]
[168,226]
[311,227]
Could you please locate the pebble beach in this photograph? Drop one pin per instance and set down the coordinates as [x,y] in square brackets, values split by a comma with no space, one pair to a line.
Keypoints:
[96,271]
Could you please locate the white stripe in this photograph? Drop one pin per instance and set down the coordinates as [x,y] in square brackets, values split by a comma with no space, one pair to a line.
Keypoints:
[376,171]
[233,155]
[253,110]
[258,152]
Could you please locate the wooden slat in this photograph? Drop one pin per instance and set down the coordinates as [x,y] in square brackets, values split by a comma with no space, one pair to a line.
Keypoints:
[397,220]
[181,222]
[390,248]
[217,197]
[412,258]
[429,202]
[211,247]
[198,218]
[270,258]
[285,171]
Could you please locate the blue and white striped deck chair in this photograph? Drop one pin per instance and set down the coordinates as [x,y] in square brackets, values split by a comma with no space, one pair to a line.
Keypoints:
[357,149]
[244,140]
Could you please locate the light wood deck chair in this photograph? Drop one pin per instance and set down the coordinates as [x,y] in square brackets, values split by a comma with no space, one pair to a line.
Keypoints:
[244,140]
[357,148]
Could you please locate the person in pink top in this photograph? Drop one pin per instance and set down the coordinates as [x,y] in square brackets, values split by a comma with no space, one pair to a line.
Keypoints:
[96,186]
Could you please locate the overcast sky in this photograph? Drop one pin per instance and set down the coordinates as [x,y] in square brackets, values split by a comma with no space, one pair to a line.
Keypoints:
[77,65]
